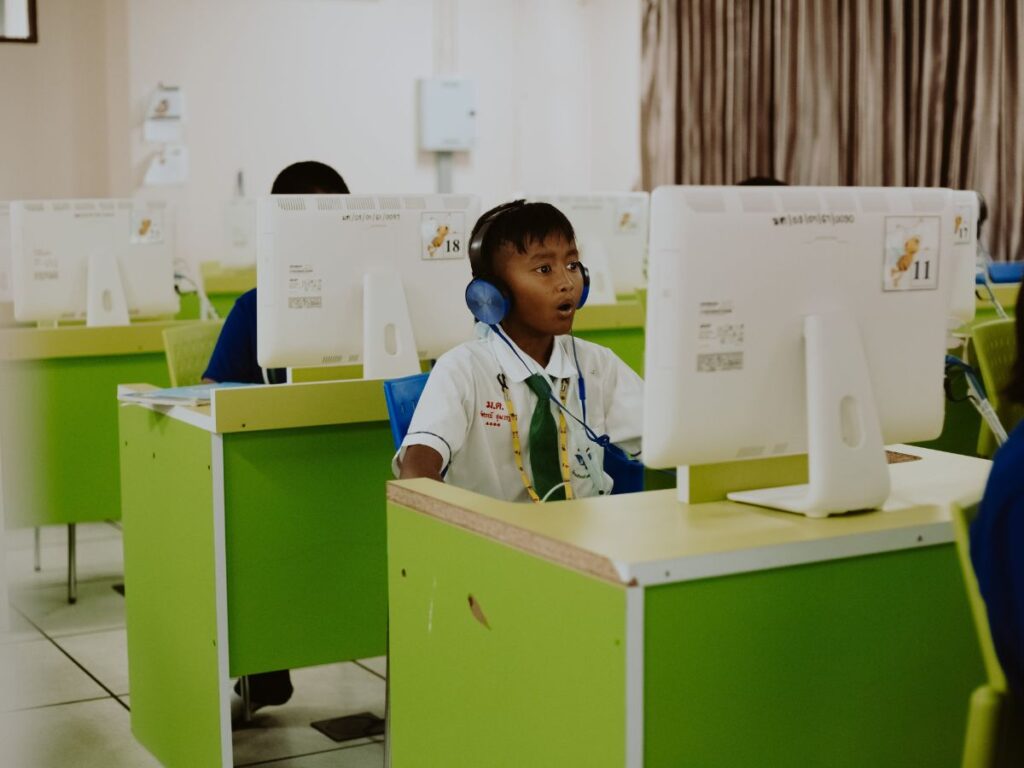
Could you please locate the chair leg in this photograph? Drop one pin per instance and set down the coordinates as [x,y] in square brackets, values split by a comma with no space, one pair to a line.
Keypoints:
[72,565]
[37,560]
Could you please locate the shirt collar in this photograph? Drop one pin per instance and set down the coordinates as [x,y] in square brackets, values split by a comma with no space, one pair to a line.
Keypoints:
[559,366]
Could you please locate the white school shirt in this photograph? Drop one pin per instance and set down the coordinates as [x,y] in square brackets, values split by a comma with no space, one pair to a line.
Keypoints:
[462,413]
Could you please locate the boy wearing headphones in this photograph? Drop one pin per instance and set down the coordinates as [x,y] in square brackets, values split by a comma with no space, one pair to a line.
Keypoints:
[523,412]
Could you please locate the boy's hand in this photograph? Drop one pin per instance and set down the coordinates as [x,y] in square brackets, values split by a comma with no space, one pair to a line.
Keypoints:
[421,461]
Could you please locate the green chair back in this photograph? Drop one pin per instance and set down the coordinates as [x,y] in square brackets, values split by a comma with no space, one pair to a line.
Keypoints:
[962,519]
[995,348]
[988,740]
[188,349]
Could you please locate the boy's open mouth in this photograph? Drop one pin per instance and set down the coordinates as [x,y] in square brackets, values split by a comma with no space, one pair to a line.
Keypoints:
[565,306]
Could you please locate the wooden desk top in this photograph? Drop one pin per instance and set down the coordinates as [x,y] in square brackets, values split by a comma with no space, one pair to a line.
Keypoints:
[20,344]
[652,538]
[280,406]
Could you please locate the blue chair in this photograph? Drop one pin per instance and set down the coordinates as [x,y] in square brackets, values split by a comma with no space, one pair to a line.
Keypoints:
[401,396]
[1003,272]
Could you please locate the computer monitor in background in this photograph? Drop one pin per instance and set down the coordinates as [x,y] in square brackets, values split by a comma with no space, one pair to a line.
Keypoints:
[104,261]
[239,234]
[788,320]
[611,234]
[963,229]
[376,279]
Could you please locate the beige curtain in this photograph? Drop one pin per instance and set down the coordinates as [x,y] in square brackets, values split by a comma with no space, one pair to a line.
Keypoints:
[857,92]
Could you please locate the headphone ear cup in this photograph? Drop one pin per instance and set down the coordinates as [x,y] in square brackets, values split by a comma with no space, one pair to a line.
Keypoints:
[586,286]
[486,301]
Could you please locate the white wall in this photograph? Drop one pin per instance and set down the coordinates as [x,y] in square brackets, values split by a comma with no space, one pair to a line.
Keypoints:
[269,82]
[54,122]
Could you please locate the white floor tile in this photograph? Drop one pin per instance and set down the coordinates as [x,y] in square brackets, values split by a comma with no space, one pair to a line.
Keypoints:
[39,674]
[19,630]
[96,559]
[321,693]
[94,734]
[378,664]
[104,654]
[99,607]
[366,756]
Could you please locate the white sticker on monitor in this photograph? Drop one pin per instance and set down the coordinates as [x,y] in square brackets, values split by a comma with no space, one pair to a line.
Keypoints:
[720,338]
[147,226]
[963,225]
[305,287]
[444,236]
[911,261]
[45,266]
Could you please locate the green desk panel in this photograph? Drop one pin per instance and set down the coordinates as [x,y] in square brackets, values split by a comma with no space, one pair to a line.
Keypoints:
[60,435]
[627,343]
[564,678]
[303,533]
[843,678]
[169,566]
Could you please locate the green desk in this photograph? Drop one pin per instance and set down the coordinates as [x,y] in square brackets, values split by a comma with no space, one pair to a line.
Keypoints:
[59,417]
[222,285]
[254,540]
[639,631]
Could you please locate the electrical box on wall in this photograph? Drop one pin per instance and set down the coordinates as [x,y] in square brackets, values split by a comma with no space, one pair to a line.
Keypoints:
[447,108]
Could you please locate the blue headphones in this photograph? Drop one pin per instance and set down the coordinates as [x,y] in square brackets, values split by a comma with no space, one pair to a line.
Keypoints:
[488,302]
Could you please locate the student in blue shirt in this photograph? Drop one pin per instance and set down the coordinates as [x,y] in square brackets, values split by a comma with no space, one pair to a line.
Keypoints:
[997,538]
[234,359]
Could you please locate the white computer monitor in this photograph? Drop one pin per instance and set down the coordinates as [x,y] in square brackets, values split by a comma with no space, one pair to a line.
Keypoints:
[371,279]
[611,234]
[963,230]
[789,320]
[239,234]
[6,290]
[103,261]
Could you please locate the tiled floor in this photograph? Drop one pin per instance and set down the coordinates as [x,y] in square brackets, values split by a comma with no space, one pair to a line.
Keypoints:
[64,688]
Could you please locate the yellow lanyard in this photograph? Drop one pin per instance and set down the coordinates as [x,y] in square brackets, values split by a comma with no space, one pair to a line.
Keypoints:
[563,439]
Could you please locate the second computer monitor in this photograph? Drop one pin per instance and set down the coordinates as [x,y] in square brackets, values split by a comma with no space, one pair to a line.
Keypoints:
[611,234]
[339,276]
[794,320]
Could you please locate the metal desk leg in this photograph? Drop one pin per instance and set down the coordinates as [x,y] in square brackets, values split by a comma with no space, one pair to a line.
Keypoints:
[72,566]
[243,687]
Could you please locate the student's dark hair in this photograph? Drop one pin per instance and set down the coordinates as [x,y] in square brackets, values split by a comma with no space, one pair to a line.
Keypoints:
[762,181]
[1015,389]
[518,226]
[982,211]
[309,178]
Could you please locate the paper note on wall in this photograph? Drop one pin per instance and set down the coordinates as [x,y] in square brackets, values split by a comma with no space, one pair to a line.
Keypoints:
[165,115]
[169,166]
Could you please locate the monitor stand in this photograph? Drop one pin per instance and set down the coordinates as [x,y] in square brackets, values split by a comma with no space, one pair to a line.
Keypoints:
[846,463]
[105,300]
[389,347]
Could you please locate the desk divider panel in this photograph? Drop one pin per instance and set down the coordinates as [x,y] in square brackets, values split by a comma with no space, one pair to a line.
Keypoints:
[889,679]
[484,629]
[170,572]
[319,506]
[60,435]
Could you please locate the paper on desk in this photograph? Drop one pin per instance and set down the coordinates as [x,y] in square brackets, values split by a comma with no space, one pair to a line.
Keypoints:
[197,394]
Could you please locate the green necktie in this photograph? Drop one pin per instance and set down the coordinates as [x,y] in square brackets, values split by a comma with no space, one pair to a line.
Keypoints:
[544,441]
